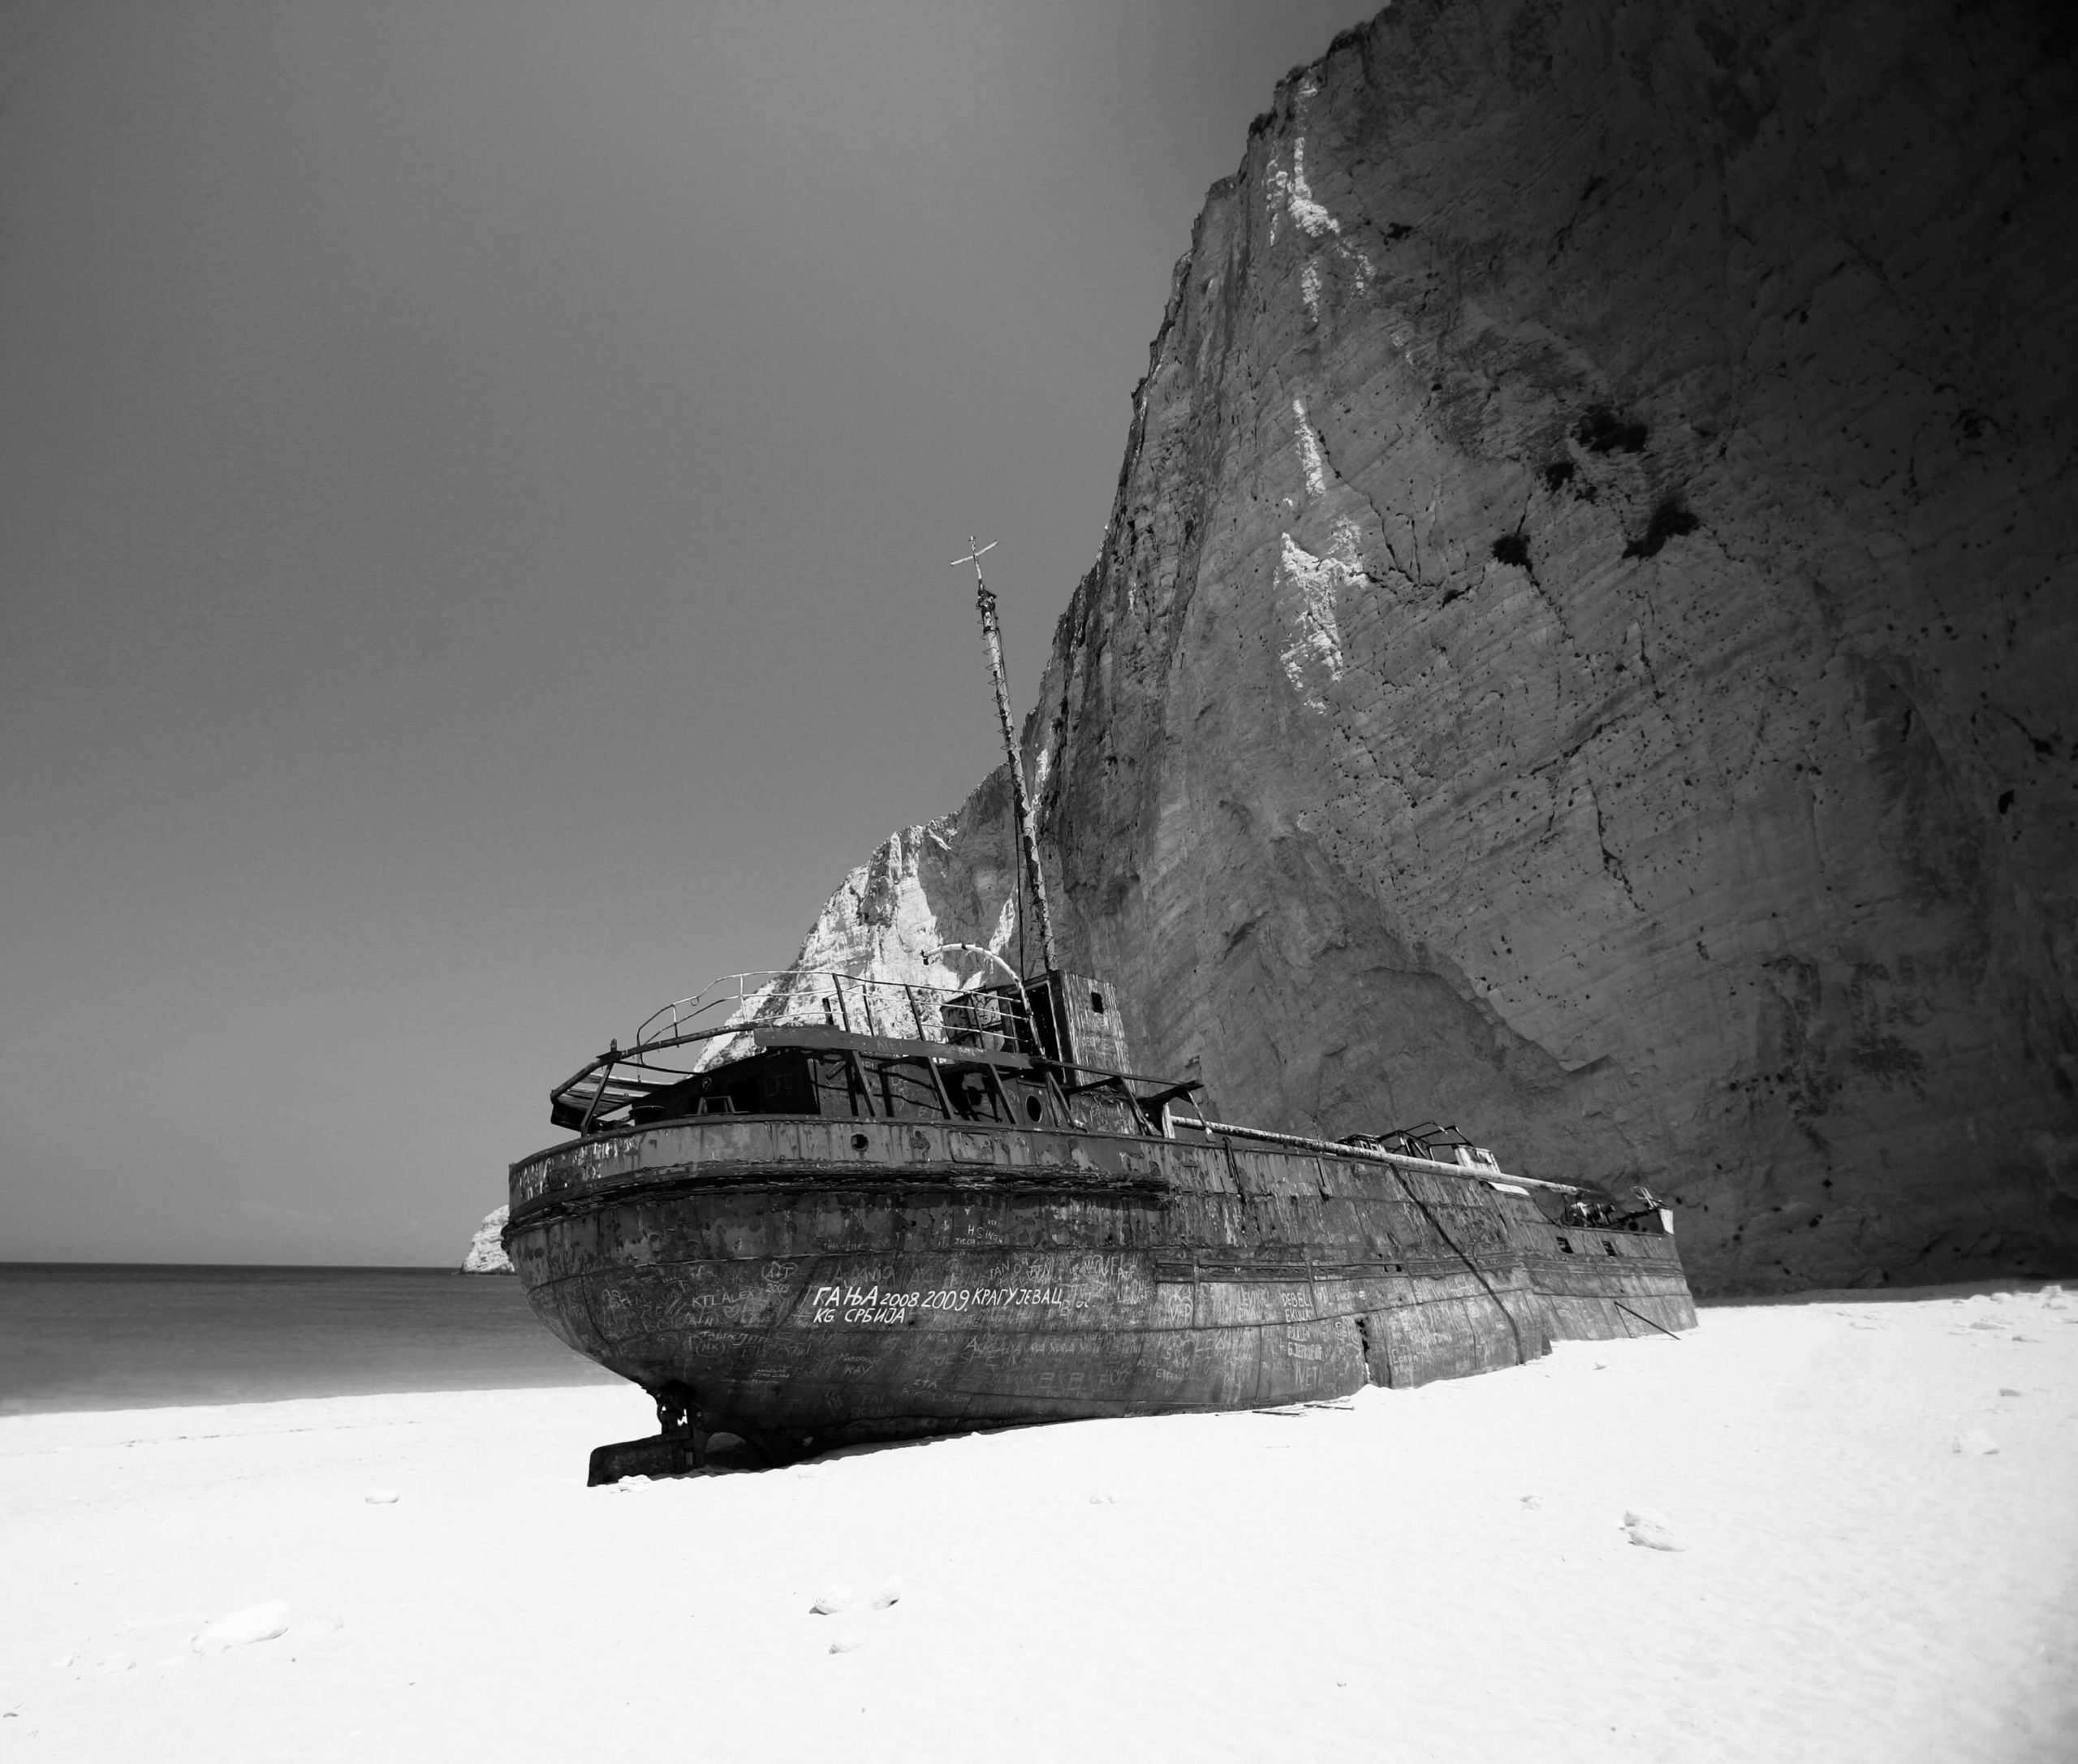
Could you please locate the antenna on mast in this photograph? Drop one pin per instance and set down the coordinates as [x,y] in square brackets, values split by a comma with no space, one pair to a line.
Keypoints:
[1028,828]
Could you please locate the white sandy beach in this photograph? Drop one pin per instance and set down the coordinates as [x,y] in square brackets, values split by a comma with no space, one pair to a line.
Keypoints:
[1876,1500]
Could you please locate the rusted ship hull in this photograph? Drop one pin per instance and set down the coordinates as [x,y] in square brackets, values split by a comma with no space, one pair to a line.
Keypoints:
[805,1283]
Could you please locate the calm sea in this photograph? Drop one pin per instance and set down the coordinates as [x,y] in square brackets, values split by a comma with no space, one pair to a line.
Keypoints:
[102,1336]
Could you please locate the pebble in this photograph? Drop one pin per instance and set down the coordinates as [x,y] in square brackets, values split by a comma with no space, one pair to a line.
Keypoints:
[241,1628]
[1974,1442]
[836,1596]
[845,1642]
[889,1592]
[1652,1529]
[380,1497]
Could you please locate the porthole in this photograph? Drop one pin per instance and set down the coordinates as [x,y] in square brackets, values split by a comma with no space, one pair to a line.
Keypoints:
[1034,1109]
[1097,1002]
[859,1142]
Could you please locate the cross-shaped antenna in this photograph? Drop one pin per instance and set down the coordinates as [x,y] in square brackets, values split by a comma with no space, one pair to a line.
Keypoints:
[973,557]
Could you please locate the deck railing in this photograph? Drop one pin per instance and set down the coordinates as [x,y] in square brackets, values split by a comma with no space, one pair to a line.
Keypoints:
[902,1010]
[690,1035]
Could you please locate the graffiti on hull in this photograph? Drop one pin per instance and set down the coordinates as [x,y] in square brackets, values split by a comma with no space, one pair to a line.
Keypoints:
[850,1305]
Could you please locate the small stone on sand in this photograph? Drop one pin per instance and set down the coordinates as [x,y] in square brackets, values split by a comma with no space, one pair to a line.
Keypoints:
[1651,1529]
[889,1592]
[241,1628]
[845,1642]
[1531,1500]
[836,1596]
[380,1497]
[1974,1442]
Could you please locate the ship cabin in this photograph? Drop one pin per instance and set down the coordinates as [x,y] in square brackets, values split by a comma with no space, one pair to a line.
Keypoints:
[1047,1054]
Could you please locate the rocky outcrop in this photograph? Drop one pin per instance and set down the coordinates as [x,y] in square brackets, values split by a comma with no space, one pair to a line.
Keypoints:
[487,1249]
[1584,646]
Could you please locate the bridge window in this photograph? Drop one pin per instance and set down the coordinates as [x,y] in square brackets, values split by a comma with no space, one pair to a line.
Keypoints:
[906,1092]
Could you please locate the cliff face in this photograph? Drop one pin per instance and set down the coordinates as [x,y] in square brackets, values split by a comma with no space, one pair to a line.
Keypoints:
[1585,644]
[486,1251]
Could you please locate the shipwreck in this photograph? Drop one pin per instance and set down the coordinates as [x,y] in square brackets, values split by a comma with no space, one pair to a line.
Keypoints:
[814,1209]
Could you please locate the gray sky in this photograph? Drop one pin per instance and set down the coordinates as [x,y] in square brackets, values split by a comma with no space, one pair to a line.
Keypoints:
[476,483]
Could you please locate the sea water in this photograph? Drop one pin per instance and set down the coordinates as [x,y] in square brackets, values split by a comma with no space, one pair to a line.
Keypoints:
[104,1335]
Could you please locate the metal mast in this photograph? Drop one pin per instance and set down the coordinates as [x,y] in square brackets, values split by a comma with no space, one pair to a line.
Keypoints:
[1028,828]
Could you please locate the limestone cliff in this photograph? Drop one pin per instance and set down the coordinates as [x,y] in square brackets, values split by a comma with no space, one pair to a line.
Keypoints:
[486,1253]
[1584,644]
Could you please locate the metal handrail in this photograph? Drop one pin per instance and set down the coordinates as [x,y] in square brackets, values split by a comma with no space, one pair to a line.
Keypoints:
[1343,1149]
[821,996]
[796,996]
[828,996]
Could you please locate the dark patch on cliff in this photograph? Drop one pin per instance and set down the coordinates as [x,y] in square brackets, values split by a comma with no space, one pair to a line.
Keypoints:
[1670,520]
[1602,430]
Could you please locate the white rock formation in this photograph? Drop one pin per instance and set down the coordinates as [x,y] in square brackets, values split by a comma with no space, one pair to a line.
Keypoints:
[486,1253]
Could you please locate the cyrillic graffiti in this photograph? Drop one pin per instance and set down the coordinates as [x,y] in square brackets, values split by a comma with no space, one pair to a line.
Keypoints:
[872,1304]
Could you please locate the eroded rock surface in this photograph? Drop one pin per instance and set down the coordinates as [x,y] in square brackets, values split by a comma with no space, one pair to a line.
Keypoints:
[1585,644]
[486,1252]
